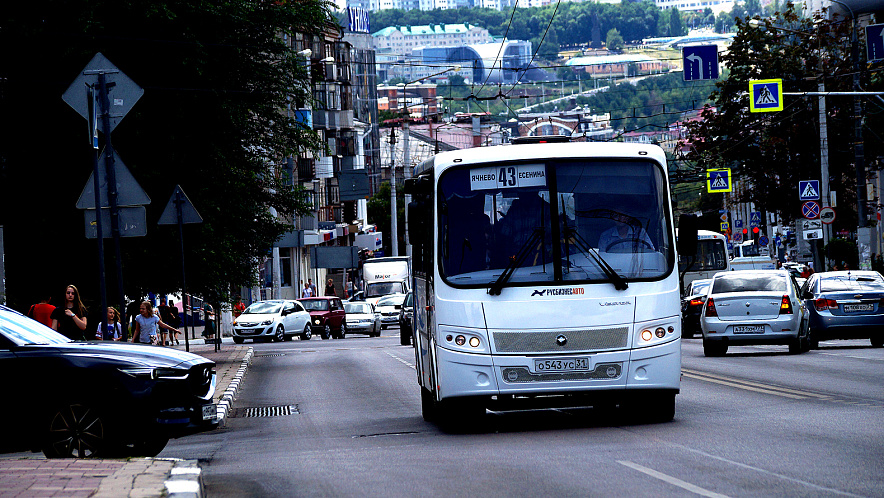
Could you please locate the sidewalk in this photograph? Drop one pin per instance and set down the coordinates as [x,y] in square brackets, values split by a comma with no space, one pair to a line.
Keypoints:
[34,476]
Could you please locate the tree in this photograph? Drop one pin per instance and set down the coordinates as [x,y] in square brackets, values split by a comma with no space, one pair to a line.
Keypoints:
[676,24]
[773,151]
[379,210]
[614,41]
[216,76]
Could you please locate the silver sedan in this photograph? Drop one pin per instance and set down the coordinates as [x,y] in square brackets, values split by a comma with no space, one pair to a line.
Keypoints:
[753,307]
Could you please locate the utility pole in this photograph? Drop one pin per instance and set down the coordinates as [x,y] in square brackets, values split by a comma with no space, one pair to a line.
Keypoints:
[394,229]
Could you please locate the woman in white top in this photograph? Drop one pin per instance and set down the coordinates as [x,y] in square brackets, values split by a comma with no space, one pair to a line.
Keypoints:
[147,324]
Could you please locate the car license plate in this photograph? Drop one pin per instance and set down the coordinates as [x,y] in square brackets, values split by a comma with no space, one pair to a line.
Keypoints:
[210,412]
[853,308]
[749,329]
[562,365]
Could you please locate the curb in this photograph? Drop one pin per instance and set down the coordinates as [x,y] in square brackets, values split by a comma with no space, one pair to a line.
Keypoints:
[230,393]
[185,479]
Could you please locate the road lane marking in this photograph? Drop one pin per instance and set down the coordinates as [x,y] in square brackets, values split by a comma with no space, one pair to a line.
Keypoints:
[672,480]
[754,386]
[391,355]
[757,469]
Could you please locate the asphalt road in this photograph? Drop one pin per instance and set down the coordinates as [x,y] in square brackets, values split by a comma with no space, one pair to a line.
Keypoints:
[758,422]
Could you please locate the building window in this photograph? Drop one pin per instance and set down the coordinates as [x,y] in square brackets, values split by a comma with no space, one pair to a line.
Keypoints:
[285,266]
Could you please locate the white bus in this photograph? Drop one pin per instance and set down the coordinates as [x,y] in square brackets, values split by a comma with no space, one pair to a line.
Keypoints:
[545,275]
[711,258]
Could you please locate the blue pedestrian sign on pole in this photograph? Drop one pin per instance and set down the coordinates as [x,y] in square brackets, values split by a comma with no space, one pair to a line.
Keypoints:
[765,95]
[875,42]
[700,62]
[809,190]
[754,219]
[718,180]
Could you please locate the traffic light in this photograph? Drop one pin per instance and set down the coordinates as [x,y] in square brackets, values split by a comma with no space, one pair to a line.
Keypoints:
[755,233]
[745,234]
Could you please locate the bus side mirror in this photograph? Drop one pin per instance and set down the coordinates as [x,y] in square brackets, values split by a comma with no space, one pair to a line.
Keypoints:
[421,185]
[417,220]
[687,235]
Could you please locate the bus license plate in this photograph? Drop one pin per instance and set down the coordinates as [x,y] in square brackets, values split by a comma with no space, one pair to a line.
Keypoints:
[562,365]
[852,308]
[749,329]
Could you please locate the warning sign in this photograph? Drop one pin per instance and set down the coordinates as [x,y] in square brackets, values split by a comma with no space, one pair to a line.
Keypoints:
[766,95]
[718,180]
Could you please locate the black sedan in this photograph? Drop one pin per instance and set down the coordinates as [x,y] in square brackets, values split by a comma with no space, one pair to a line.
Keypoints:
[692,305]
[94,399]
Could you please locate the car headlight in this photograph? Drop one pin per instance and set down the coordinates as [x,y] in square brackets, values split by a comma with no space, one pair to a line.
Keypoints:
[155,373]
[267,322]
[317,321]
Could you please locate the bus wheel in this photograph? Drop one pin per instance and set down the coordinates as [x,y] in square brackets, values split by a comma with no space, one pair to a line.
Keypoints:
[428,405]
[460,415]
[661,408]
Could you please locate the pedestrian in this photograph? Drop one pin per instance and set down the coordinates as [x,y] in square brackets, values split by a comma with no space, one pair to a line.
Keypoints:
[349,289]
[146,325]
[42,311]
[239,307]
[306,291]
[209,329]
[69,319]
[113,329]
[312,287]
[166,317]
[330,288]
[176,320]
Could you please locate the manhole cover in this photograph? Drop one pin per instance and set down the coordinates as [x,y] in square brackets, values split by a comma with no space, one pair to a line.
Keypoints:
[266,411]
[269,355]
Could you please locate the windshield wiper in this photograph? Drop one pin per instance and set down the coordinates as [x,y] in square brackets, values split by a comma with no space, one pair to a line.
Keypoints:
[516,262]
[615,278]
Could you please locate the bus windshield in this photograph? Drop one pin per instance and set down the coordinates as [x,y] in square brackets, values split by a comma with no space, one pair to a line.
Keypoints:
[569,220]
[711,255]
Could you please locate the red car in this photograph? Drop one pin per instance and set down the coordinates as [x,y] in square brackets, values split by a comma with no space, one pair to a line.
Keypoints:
[327,316]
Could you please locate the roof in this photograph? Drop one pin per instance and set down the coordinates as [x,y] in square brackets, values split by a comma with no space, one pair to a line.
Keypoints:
[609,59]
[431,29]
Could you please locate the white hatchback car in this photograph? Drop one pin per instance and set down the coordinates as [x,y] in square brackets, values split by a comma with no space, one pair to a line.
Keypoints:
[362,319]
[753,307]
[388,307]
[277,319]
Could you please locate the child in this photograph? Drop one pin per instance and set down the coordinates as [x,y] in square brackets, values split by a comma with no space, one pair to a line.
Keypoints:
[146,325]
[113,331]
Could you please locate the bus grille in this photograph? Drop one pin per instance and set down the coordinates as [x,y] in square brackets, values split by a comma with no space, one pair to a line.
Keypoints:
[519,375]
[545,342]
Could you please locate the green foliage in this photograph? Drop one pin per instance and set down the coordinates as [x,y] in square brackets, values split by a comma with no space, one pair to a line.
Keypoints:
[614,41]
[842,251]
[216,76]
[379,210]
[676,24]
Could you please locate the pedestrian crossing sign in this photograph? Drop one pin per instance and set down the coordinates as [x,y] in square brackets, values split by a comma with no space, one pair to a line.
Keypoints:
[809,190]
[718,180]
[765,95]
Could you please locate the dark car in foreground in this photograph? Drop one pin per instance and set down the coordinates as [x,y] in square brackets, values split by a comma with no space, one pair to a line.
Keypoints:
[692,306]
[845,305]
[95,399]
[406,320]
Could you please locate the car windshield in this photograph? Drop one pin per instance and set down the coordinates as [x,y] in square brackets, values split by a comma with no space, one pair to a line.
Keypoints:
[376,289]
[23,331]
[315,304]
[736,282]
[357,308]
[699,287]
[263,307]
[391,301]
[863,282]
[535,229]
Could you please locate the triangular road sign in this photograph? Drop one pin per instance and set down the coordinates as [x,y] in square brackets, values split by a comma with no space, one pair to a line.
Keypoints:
[765,97]
[129,192]
[188,211]
[719,182]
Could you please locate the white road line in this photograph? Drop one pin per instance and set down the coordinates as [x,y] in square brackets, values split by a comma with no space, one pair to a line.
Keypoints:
[853,357]
[391,355]
[671,480]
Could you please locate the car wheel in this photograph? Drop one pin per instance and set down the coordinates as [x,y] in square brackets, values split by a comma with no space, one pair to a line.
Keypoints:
[812,342]
[326,332]
[711,349]
[307,333]
[344,330]
[795,346]
[148,447]
[280,334]
[238,340]
[76,431]
[877,342]
[404,338]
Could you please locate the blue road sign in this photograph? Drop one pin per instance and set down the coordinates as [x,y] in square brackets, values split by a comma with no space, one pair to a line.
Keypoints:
[738,223]
[765,95]
[700,62]
[763,240]
[754,219]
[809,190]
[875,42]
[810,210]
[718,180]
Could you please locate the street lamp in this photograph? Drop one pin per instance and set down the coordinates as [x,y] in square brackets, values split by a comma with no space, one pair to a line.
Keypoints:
[405,160]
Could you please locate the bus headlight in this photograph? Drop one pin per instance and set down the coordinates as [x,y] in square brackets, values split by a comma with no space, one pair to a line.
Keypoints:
[470,341]
[651,334]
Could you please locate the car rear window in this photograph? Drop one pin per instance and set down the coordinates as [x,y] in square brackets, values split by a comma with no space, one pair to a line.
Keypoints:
[733,282]
[858,283]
